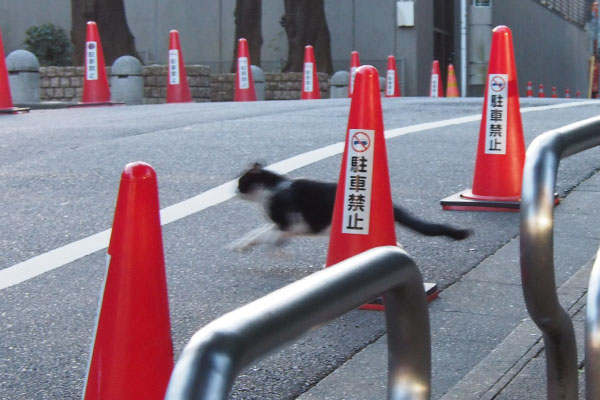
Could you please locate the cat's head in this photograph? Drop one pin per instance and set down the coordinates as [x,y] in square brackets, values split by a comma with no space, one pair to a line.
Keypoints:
[255,181]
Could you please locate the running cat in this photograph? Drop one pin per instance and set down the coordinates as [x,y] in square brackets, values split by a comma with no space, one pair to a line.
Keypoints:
[305,207]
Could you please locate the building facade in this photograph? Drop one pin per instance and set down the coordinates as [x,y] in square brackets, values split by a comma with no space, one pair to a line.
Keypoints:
[552,45]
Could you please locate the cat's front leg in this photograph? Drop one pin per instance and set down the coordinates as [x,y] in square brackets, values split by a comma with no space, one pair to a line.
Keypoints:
[266,234]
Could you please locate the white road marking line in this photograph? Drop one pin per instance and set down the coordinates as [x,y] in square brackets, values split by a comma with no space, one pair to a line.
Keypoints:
[58,257]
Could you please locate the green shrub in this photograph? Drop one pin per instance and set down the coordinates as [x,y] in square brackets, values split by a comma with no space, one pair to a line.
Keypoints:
[50,44]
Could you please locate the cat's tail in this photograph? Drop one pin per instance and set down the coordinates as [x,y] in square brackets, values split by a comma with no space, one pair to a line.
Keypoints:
[429,228]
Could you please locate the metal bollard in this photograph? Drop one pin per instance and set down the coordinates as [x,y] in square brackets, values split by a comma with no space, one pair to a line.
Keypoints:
[339,85]
[24,77]
[259,81]
[127,81]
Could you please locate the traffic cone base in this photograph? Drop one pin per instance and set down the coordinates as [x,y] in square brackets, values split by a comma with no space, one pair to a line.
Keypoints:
[431,290]
[14,110]
[466,201]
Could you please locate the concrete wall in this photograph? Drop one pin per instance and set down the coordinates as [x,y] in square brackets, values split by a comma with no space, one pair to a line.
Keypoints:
[17,16]
[548,49]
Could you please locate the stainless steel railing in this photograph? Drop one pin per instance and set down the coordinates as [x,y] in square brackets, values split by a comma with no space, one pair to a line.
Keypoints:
[592,334]
[218,352]
[537,250]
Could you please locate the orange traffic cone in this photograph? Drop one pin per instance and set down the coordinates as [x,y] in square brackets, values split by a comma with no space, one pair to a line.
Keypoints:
[554,94]
[132,355]
[541,91]
[567,93]
[178,89]
[451,84]
[578,94]
[6,104]
[501,148]
[354,64]
[95,83]
[529,89]
[435,85]
[392,87]
[310,81]
[244,84]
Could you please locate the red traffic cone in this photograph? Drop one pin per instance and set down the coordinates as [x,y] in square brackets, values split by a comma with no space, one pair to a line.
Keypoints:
[529,89]
[363,215]
[451,84]
[567,93]
[435,85]
[244,84]
[310,80]
[354,64]
[501,148]
[132,355]
[578,94]
[541,91]
[554,94]
[6,104]
[178,89]
[95,83]
[392,87]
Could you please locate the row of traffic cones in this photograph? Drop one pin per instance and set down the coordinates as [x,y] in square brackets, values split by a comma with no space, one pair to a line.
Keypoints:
[95,82]
[435,84]
[132,355]
[554,93]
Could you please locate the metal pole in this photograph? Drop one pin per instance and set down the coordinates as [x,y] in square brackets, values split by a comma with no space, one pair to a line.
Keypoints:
[592,334]
[218,352]
[537,260]
[463,48]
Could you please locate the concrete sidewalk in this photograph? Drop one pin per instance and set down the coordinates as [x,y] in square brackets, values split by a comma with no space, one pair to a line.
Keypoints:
[484,345]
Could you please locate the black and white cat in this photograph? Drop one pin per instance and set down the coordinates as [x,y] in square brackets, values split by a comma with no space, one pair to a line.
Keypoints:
[305,207]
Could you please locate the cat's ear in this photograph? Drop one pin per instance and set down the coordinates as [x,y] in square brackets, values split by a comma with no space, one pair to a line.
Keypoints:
[257,166]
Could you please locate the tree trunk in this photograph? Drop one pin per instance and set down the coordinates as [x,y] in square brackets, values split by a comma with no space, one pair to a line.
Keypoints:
[248,20]
[305,23]
[115,35]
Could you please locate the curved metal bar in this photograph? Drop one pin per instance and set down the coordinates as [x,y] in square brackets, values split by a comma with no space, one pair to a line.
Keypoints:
[592,334]
[216,353]
[537,250]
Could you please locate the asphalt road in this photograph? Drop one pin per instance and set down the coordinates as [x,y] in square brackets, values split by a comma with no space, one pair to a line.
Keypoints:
[60,171]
